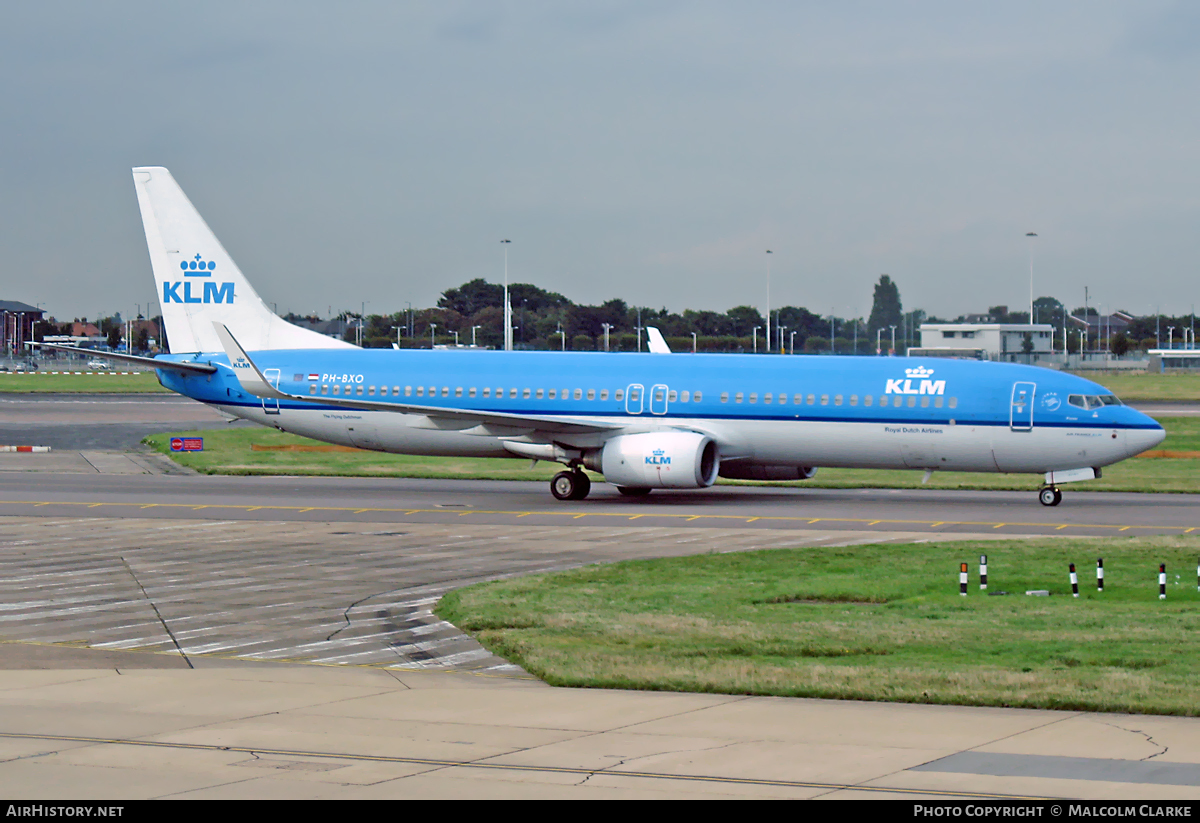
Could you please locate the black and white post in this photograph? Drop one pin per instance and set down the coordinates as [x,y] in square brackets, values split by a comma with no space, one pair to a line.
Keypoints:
[983,572]
[1074,582]
[1100,574]
[1162,581]
[962,579]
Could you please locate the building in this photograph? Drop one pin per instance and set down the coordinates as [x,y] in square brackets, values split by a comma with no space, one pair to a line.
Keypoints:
[1171,360]
[985,341]
[18,319]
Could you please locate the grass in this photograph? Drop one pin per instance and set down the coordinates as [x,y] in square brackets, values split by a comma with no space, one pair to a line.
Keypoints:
[229,452]
[1142,387]
[41,382]
[876,622]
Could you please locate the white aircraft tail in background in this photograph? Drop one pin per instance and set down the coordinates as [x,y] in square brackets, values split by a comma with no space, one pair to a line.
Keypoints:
[199,284]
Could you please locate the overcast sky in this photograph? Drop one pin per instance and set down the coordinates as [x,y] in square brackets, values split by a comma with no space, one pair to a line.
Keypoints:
[379,151]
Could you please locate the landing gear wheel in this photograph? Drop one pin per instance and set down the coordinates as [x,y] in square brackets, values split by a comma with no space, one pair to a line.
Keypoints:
[570,485]
[1050,496]
[633,491]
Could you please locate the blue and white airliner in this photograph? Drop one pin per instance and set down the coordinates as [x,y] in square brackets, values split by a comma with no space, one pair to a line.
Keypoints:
[643,421]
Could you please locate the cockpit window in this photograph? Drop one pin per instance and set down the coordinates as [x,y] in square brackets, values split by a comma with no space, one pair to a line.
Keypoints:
[1093,401]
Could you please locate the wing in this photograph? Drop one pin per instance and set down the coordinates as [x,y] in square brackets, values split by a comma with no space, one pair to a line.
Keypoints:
[493,423]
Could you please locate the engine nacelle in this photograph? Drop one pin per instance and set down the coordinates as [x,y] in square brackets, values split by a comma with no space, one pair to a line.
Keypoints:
[744,471]
[659,460]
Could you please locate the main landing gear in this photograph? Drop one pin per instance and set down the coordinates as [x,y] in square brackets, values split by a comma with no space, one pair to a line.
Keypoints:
[1050,496]
[571,485]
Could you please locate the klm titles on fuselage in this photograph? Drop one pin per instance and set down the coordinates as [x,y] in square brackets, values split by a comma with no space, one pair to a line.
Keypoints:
[925,386]
[212,292]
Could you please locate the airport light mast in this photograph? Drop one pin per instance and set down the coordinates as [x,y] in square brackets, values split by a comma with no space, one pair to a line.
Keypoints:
[508,341]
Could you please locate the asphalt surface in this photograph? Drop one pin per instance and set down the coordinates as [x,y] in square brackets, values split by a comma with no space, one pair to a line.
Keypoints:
[192,636]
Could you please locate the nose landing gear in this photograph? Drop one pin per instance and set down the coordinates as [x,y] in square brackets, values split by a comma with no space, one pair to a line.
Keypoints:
[570,485]
[1050,496]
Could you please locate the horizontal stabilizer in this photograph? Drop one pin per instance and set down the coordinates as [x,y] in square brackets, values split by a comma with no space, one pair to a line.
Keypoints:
[134,360]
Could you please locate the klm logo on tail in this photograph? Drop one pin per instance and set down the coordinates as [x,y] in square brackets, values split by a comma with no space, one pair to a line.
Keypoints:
[211,293]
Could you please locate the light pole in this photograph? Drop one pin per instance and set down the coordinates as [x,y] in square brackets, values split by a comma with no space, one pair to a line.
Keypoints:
[1170,337]
[892,351]
[397,329]
[1031,235]
[832,332]
[607,329]
[792,342]
[769,252]
[693,342]
[473,328]
[878,334]
[755,333]
[563,334]
[432,335]
[455,338]
[779,330]
[508,342]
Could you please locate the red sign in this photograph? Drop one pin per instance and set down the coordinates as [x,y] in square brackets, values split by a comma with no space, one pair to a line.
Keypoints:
[187,444]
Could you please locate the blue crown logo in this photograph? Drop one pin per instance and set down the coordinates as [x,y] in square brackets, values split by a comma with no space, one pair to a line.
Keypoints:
[197,267]
[659,452]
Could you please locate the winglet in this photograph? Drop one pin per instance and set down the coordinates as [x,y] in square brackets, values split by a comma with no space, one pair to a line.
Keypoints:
[655,341]
[247,373]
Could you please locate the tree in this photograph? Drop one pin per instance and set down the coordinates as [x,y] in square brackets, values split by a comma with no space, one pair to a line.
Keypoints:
[1120,344]
[743,319]
[886,309]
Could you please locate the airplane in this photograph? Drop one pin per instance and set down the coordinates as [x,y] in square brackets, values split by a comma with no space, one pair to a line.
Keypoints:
[642,420]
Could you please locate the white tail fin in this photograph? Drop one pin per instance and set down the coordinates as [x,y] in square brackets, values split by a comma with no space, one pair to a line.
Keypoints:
[198,282]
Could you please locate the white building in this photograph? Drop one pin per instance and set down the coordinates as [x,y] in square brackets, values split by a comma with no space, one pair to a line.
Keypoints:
[985,341]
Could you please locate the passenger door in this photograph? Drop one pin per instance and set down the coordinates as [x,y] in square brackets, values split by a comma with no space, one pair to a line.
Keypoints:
[271,405]
[1021,409]
[633,398]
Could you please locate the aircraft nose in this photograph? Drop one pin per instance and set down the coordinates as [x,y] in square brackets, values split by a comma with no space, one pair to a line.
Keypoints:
[1139,440]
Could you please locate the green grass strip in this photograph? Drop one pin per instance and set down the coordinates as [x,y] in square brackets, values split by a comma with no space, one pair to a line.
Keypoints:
[876,622]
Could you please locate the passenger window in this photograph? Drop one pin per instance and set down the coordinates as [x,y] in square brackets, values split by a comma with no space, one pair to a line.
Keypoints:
[592,394]
[868,400]
[396,390]
[312,388]
[768,397]
[753,397]
[370,391]
[337,390]
[954,402]
[824,400]
[812,399]
[937,402]
[420,391]
[737,398]
[445,391]
[619,394]
[696,397]
[359,391]
[854,400]
[325,390]
[684,397]
[383,390]
[408,391]
[525,394]
[925,402]
[553,394]
[512,393]
[782,399]
[837,401]
[458,391]
[724,397]
[671,395]
[487,392]
[798,399]
[604,394]
[578,392]
[471,393]
[912,402]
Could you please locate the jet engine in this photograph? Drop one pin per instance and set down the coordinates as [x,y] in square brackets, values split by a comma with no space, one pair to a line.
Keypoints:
[744,471]
[658,460]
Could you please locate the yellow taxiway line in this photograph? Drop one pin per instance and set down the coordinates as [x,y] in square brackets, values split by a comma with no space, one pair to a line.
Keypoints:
[575,514]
